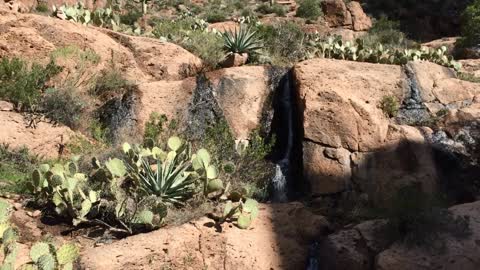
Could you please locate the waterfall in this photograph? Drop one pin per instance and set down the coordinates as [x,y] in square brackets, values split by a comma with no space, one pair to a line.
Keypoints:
[285,114]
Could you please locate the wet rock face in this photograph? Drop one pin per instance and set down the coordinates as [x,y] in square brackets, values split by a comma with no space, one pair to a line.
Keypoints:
[119,115]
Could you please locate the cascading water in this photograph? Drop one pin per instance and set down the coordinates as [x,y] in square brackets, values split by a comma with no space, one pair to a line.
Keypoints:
[285,114]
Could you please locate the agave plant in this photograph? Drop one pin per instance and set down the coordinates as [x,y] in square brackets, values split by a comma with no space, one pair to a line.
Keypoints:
[170,177]
[244,40]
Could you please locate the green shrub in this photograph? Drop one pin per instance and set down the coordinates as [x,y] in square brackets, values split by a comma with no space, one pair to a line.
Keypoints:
[73,52]
[470,23]
[283,43]
[468,77]
[206,45]
[99,132]
[154,126]
[42,8]
[245,168]
[215,14]
[131,15]
[247,12]
[110,82]
[417,218]
[173,30]
[387,33]
[309,9]
[389,106]
[265,8]
[242,41]
[192,35]
[15,168]
[22,84]
[63,106]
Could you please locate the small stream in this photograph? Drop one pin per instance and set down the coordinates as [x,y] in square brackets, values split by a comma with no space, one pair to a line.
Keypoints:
[288,130]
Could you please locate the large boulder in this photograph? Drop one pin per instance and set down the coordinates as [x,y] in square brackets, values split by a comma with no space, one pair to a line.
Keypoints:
[243,94]
[353,248]
[140,59]
[343,124]
[349,16]
[341,101]
[169,98]
[457,253]
[278,239]
[336,13]
[349,142]
[360,20]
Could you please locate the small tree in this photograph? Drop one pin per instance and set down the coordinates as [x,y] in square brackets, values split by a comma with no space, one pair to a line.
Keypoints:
[470,26]
[309,9]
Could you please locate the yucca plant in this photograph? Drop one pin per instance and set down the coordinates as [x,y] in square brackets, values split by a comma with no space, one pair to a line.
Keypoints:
[244,40]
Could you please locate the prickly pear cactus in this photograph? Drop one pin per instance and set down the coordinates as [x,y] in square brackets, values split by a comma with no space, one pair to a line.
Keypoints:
[65,187]
[67,254]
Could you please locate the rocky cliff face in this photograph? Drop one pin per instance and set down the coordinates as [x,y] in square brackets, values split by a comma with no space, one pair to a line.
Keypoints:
[349,141]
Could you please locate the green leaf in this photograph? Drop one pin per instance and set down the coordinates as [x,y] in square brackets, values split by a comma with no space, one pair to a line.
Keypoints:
[46,262]
[4,211]
[57,199]
[44,168]
[39,249]
[197,163]
[227,209]
[212,172]
[250,205]
[116,167]
[71,168]
[86,206]
[67,254]
[145,217]
[204,157]
[58,170]
[55,181]
[244,221]
[92,196]
[9,236]
[68,266]
[3,228]
[71,184]
[158,153]
[229,167]
[215,185]
[174,143]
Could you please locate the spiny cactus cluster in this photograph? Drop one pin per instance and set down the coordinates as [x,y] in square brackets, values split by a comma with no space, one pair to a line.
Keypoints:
[75,13]
[43,255]
[78,13]
[66,188]
[242,213]
[135,190]
[335,47]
